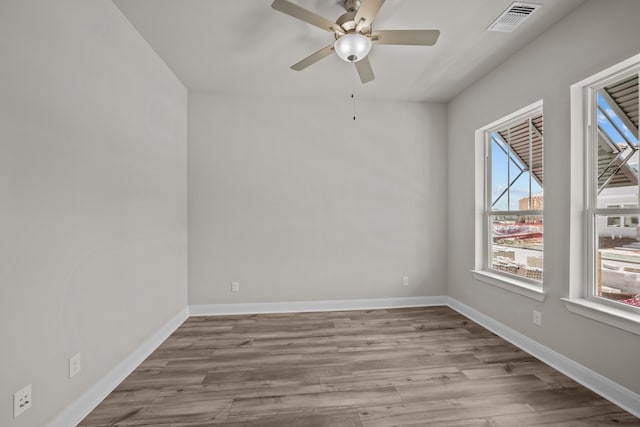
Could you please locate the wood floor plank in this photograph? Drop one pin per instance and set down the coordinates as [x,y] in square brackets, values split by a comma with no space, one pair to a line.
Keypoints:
[318,418]
[420,366]
[457,389]
[302,402]
[589,415]
[242,390]
[439,412]
[389,377]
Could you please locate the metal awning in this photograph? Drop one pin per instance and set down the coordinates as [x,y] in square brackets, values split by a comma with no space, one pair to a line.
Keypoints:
[517,138]
[622,98]
[623,95]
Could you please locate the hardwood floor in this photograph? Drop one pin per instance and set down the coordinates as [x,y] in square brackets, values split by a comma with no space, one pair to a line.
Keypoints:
[399,367]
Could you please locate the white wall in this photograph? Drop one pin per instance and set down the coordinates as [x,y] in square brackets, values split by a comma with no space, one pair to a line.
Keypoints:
[92,195]
[297,201]
[597,35]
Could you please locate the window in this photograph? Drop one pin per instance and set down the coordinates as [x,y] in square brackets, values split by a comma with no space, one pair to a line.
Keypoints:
[612,211]
[510,222]
[605,254]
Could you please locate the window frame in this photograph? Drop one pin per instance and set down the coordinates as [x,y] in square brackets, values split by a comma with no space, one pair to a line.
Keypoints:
[482,270]
[582,298]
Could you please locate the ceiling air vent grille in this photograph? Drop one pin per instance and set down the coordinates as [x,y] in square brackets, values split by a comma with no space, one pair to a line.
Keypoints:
[513,16]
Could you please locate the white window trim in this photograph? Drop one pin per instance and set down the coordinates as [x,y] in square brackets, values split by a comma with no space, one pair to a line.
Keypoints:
[510,284]
[481,272]
[579,300]
[603,313]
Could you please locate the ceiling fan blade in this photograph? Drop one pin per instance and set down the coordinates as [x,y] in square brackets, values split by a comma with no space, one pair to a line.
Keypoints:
[305,15]
[406,37]
[364,70]
[313,58]
[368,11]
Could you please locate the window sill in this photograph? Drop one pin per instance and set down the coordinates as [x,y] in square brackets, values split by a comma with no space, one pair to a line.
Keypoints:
[611,316]
[513,285]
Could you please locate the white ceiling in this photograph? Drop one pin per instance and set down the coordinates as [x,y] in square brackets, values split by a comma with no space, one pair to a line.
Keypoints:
[245,46]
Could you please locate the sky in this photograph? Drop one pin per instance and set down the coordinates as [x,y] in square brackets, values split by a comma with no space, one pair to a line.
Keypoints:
[502,174]
[617,136]
[606,125]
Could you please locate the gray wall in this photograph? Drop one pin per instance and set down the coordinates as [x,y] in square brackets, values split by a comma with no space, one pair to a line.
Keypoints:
[297,201]
[92,195]
[595,36]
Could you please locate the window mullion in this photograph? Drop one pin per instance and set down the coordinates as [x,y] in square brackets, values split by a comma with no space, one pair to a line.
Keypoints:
[593,177]
[488,197]
[509,168]
[530,161]
[616,211]
[529,212]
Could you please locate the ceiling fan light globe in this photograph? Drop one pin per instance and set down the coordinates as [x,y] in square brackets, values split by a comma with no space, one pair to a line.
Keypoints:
[352,47]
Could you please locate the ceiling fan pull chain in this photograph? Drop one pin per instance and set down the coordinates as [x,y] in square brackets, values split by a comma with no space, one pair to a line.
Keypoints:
[353,97]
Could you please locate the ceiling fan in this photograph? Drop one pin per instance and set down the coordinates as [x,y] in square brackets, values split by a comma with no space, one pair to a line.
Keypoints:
[354,34]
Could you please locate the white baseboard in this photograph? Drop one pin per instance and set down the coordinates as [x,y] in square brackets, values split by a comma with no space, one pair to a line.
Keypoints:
[79,409]
[311,306]
[614,392]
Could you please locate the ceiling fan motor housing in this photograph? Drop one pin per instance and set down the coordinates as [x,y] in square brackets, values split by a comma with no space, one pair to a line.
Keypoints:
[348,24]
[352,5]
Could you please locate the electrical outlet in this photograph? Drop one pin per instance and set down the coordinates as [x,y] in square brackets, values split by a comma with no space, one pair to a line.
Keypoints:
[537,318]
[235,286]
[405,281]
[75,365]
[21,400]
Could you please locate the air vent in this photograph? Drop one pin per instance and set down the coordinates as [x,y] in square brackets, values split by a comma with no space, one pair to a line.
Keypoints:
[515,15]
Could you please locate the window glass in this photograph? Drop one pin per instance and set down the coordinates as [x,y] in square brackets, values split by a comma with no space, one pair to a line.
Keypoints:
[617,164]
[516,200]
[616,248]
[618,259]
[499,175]
[516,245]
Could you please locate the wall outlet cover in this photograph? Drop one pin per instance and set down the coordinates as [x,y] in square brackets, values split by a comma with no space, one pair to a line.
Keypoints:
[21,400]
[537,318]
[235,286]
[75,365]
